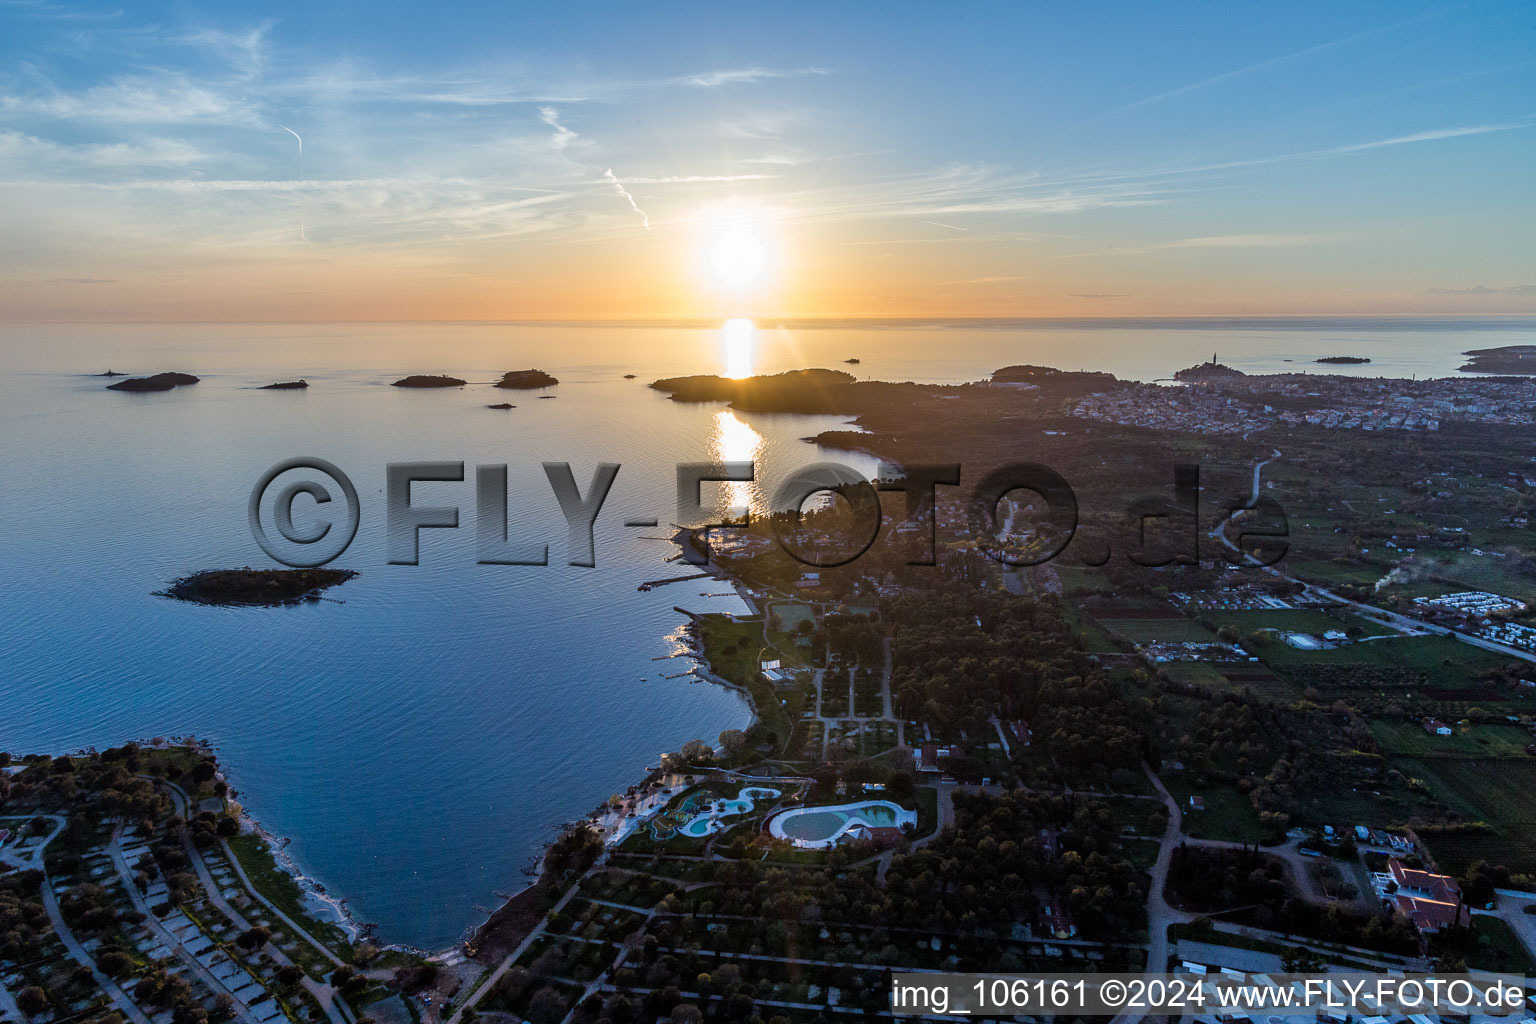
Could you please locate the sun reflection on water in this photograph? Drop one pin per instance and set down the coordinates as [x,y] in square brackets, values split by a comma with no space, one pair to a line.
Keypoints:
[733,440]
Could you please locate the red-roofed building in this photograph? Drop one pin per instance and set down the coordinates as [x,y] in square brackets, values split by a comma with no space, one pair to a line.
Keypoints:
[1432,902]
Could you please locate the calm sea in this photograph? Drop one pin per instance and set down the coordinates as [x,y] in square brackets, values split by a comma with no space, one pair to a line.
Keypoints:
[420,740]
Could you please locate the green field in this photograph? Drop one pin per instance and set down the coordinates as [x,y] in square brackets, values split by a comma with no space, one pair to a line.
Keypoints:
[1198,673]
[1298,620]
[1089,633]
[1398,737]
[1228,814]
[1165,631]
[788,615]
[1498,794]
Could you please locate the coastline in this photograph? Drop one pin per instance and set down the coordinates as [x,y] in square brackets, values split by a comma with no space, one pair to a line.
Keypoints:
[317,899]
[611,821]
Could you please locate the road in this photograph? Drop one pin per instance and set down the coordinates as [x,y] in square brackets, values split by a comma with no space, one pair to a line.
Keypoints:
[328,998]
[77,952]
[125,872]
[511,958]
[1511,910]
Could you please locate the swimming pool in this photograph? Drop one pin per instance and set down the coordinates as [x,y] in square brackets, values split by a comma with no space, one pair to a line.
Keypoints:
[818,827]
[704,812]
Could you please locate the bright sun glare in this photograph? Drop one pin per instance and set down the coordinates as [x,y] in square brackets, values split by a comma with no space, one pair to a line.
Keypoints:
[737,256]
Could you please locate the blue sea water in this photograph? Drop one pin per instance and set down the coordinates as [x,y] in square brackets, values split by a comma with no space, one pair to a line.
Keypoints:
[420,740]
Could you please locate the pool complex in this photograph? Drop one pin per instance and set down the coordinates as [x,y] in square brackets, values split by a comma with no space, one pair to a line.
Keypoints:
[818,827]
[701,812]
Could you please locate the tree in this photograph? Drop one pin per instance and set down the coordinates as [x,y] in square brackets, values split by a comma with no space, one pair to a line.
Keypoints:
[31,1000]
[733,740]
[289,975]
[253,938]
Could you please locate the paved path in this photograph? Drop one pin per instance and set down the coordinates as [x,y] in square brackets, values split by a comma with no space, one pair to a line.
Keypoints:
[511,958]
[171,942]
[77,952]
[1511,910]
[329,1000]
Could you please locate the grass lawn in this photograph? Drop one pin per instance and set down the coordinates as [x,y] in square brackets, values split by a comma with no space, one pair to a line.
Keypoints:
[1228,814]
[789,615]
[1090,634]
[732,649]
[927,811]
[278,886]
[1489,945]
[1298,620]
[1486,741]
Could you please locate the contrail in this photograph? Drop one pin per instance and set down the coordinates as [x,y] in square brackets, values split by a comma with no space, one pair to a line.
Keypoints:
[295,134]
[302,236]
[618,187]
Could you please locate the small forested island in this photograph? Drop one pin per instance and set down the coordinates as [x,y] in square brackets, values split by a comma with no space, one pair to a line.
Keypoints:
[524,380]
[427,380]
[256,588]
[286,385]
[852,362]
[111,373]
[1343,360]
[629,376]
[1507,359]
[791,391]
[502,405]
[1027,374]
[157,382]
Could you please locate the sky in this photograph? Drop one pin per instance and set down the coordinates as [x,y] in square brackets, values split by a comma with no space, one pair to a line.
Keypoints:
[483,161]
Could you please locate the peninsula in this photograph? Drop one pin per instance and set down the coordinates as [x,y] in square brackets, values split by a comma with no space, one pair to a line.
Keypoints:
[1518,359]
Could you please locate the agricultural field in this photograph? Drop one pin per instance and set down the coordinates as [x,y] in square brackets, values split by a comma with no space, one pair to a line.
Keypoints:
[1228,814]
[1409,739]
[1165,631]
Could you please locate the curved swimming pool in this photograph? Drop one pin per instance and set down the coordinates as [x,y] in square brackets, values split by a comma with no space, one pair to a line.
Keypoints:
[818,827]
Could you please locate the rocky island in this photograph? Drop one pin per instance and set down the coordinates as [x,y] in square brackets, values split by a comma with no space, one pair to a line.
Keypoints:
[502,405]
[792,391]
[286,385]
[1507,359]
[427,380]
[1342,360]
[525,380]
[158,382]
[256,588]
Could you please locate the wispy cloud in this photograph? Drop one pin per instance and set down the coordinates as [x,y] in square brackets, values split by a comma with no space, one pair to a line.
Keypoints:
[1247,241]
[1515,289]
[745,76]
[1095,295]
[563,136]
[1272,63]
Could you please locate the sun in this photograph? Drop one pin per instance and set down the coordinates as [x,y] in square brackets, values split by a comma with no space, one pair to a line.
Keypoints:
[737,256]
[737,249]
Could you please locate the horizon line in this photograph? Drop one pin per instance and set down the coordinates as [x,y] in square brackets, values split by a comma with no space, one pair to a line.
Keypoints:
[780,319]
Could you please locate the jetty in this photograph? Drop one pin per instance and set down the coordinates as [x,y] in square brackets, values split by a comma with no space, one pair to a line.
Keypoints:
[652,584]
